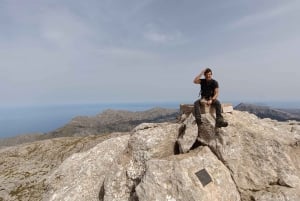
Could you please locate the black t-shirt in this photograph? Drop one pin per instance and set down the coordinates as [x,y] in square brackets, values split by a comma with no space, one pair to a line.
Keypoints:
[208,88]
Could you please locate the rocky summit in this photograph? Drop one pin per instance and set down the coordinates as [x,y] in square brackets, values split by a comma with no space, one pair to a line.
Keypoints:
[252,159]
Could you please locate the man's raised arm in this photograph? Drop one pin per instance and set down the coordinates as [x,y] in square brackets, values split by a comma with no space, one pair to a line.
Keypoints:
[198,77]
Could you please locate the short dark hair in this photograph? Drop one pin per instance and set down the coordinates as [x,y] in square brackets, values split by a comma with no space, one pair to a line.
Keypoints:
[207,71]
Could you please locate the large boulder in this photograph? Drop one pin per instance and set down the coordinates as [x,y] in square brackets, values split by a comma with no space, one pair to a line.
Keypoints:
[261,154]
[174,178]
[81,176]
[262,157]
[147,141]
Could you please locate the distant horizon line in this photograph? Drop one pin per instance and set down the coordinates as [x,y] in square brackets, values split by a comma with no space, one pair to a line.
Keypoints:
[234,102]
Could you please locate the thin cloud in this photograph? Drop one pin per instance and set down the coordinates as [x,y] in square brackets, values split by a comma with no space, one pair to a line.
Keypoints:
[63,28]
[125,53]
[154,34]
[266,15]
[158,37]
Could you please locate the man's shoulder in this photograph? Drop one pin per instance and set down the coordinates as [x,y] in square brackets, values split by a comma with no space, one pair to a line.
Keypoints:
[215,82]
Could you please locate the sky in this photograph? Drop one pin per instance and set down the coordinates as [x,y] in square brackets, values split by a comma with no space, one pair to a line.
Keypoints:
[94,51]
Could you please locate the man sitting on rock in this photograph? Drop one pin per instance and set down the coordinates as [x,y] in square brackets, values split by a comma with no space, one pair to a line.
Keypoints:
[209,94]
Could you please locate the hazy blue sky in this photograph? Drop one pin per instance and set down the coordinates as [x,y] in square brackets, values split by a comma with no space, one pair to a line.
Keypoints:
[78,51]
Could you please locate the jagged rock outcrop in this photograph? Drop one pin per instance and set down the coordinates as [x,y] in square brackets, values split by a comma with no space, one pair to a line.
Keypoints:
[260,154]
[81,176]
[250,160]
[147,141]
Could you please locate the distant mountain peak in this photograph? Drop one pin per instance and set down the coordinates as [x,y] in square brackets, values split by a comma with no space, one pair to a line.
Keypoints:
[267,112]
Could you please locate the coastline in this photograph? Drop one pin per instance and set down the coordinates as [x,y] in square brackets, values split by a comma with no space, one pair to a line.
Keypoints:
[22,120]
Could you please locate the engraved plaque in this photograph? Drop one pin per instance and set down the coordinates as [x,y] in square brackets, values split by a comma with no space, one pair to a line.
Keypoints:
[204,177]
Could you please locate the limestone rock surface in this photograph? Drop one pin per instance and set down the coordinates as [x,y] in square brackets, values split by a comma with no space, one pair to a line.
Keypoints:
[24,169]
[147,141]
[261,154]
[174,178]
[81,176]
[250,160]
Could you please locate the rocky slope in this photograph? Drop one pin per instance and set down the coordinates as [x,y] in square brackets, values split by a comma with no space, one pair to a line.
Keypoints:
[250,160]
[11,141]
[25,168]
[268,112]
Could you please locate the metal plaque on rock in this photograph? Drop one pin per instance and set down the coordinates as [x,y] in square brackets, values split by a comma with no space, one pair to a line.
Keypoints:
[204,177]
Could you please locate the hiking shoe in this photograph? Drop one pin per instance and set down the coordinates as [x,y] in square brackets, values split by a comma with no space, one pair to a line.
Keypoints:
[221,123]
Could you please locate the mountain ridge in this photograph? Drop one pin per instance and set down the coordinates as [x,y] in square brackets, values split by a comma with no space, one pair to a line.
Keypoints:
[112,120]
[108,121]
[269,112]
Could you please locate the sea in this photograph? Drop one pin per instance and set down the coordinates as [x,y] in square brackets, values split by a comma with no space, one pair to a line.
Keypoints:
[42,119]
